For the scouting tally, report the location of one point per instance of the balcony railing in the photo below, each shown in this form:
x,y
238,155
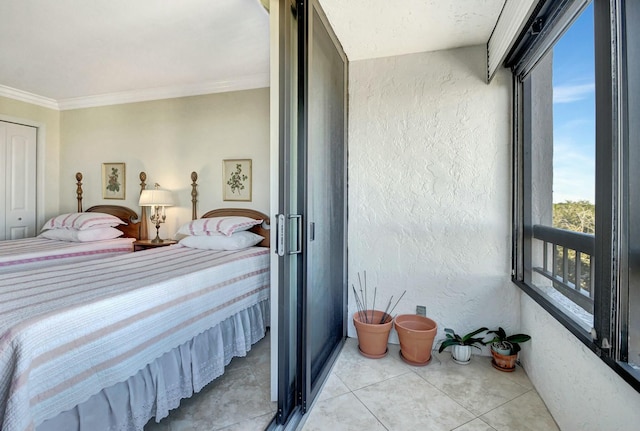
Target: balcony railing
x,y
563,262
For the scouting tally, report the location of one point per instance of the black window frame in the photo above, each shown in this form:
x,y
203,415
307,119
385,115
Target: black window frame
x,y
614,179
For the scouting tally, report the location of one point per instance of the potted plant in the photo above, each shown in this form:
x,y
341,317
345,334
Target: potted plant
x,y
504,349
461,346
372,326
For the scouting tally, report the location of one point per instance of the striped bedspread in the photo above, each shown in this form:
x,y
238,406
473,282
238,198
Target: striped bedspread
x,y
29,253
71,330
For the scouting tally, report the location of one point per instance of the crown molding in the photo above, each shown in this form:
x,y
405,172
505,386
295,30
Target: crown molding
x,y
25,96
241,83
158,93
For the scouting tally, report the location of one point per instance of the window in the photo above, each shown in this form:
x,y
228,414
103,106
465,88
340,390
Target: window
x,y
576,161
560,94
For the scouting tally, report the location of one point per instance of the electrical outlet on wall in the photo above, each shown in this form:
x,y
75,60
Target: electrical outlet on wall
x,y
421,310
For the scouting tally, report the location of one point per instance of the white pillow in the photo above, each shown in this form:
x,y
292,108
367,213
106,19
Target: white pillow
x,y
87,235
237,241
82,221
214,225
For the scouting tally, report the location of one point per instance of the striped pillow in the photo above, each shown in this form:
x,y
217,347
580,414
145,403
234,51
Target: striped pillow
x,y
82,221
218,226
87,235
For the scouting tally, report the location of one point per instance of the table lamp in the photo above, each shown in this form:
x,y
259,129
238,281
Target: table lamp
x,y
158,199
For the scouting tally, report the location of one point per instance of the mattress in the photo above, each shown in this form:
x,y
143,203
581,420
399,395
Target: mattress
x,y
29,253
109,318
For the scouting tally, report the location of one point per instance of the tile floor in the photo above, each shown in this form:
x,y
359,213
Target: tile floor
x,y
387,394
372,394
237,400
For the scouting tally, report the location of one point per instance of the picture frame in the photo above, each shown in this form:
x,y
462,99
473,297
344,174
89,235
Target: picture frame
x,y
113,181
236,179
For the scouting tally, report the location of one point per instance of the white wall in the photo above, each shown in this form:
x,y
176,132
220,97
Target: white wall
x,y
168,139
581,392
429,187
429,211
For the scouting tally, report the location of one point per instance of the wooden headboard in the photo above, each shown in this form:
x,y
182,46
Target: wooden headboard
x,y
127,215
261,229
134,228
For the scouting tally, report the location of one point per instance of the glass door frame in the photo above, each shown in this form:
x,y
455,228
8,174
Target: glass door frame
x,y
290,190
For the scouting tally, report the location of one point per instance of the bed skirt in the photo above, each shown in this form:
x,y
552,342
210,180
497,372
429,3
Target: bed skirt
x,y
158,388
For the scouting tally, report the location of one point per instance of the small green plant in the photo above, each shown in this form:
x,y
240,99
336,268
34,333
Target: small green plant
x,y
504,342
469,339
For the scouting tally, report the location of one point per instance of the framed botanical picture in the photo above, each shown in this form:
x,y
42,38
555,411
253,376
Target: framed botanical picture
x,y
236,180
113,181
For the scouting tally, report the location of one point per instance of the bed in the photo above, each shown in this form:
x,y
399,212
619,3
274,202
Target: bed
x,y
143,331
29,253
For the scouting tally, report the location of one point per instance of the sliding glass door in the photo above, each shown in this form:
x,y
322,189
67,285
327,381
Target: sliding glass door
x,y
325,294
312,220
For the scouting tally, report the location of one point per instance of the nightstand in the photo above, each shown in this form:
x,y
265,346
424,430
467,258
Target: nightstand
x,y
144,244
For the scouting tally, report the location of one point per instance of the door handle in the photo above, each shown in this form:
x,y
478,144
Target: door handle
x,y
298,218
280,234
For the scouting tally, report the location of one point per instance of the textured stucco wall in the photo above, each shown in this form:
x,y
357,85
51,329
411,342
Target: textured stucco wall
x,y
581,392
168,139
429,193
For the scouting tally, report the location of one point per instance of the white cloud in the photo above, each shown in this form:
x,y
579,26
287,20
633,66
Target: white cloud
x,y
572,93
573,172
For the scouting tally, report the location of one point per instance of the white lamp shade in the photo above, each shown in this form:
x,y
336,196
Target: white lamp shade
x,y
156,197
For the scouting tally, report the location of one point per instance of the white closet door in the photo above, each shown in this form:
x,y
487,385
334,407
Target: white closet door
x,y
18,148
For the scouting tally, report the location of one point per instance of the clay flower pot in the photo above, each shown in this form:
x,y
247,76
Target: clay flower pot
x,y
416,334
373,337
503,362
504,349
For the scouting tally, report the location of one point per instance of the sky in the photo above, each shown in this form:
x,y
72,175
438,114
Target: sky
x,y
574,112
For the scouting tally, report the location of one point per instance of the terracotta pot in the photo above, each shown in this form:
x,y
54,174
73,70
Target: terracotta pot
x,y
373,337
503,362
416,334
461,354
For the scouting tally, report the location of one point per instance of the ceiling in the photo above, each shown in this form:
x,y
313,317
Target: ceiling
x,y
66,49
75,53
382,28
